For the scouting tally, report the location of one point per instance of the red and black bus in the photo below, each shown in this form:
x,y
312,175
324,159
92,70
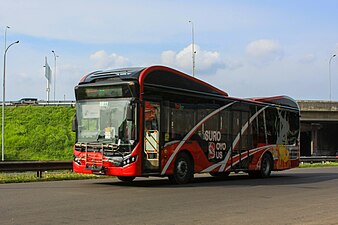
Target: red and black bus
x,y
157,121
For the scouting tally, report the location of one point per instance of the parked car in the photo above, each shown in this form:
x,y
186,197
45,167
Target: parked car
x,y
28,101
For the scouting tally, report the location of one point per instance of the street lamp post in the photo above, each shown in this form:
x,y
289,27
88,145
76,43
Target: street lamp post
x,y
193,47
330,72
3,104
7,27
55,56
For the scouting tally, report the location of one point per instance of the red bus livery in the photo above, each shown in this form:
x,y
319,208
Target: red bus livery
x,y
157,121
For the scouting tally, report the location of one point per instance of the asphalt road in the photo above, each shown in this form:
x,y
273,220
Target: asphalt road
x,y
297,196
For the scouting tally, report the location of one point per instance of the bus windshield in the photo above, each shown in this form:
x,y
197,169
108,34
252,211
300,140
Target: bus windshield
x,y
106,121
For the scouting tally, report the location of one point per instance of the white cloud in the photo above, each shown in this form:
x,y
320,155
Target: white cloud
x,y
104,61
168,57
264,51
77,31
206,61
232,64
308,58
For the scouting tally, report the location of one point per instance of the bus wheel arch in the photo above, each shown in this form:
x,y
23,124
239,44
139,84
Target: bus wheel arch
x,y
183,168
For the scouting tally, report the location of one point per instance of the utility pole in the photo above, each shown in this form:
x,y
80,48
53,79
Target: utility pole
x,y
3,104
330,73
55,56
193,52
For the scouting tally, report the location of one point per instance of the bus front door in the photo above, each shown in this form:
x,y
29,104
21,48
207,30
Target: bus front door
x,y
151,136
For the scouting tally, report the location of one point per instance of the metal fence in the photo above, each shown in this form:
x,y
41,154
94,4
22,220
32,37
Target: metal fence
x,y
38,166
40,103
318,159
41,166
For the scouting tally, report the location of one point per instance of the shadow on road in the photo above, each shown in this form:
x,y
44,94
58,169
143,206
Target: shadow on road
x,y
298,176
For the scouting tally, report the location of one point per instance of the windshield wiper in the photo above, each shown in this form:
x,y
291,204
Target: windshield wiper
x,y
99,136
102,136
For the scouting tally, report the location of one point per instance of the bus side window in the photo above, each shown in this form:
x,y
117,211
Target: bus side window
x,y
246,141
225,124
152,112
182,120
294,128
271,123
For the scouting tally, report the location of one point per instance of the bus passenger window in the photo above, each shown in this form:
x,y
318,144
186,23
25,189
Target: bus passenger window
x,y
152,113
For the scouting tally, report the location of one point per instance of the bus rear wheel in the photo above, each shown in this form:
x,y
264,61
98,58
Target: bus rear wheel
x,y
125,179
183,170
266,167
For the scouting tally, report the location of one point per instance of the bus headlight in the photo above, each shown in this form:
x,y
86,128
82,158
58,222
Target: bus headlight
x,y
77,160
129,160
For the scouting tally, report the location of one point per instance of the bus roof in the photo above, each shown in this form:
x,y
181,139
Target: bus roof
x,y
156,76
278,100
122,73
167,78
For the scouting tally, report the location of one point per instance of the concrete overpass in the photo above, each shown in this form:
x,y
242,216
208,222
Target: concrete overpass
x,y
319,127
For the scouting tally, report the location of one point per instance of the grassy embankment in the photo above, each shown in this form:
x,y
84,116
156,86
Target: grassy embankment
x,y
47,176
324,164
39,133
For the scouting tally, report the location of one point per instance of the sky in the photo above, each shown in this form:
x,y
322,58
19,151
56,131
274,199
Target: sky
x,y
246,48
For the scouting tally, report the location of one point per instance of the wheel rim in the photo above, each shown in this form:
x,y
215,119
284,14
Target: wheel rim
x,y
182,169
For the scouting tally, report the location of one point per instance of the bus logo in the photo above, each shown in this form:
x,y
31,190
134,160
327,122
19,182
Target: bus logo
x,y
211,149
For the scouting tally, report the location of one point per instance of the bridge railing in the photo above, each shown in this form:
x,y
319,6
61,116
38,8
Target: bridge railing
x,y
318,159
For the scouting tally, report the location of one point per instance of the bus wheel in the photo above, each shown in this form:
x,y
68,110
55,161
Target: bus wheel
x,y
125,179
266,166
220,174
183,170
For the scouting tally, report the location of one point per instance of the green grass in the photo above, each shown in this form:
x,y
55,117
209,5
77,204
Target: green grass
x,y
325,164
39,133
46,176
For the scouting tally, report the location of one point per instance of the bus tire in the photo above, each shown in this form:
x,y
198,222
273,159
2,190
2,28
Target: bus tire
x,y
266,167
125,179
183,170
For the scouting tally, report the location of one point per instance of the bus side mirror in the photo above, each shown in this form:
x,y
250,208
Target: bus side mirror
x,y
74,123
